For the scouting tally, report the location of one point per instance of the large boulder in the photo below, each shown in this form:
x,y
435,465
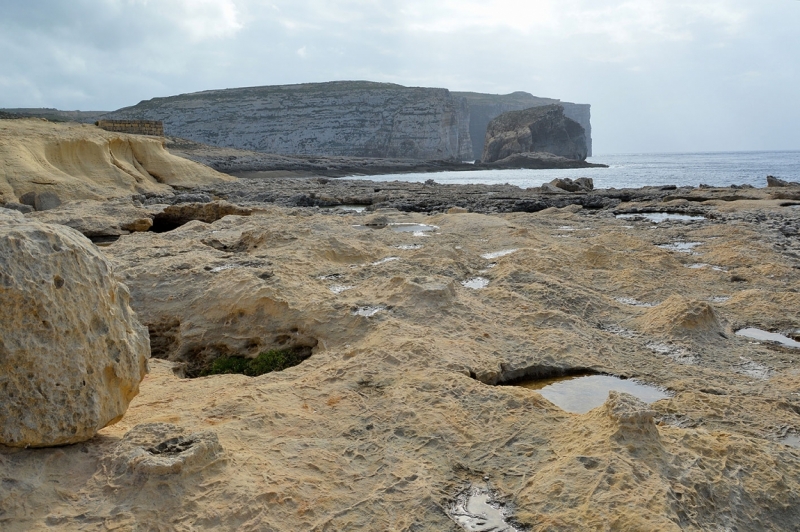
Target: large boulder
x,y
72,353
539,129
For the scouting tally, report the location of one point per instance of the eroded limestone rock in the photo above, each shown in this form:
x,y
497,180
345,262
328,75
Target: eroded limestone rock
x,y
72,353
540,129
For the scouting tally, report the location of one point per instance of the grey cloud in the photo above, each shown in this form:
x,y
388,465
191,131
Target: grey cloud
x,y
712,76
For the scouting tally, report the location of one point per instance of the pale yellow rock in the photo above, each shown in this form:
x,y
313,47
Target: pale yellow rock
x,y
79,161
72,353
395,414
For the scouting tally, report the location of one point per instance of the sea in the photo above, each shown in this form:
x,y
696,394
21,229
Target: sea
x,y
716,169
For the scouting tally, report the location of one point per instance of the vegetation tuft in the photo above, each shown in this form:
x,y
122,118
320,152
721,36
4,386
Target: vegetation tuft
x,y
266,362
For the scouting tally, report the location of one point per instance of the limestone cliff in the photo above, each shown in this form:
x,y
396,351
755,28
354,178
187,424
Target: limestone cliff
x,y
539,129
352,118
486,107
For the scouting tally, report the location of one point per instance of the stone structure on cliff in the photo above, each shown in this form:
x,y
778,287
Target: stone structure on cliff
x,y
539,129
355,118
72,353
135,127
483,108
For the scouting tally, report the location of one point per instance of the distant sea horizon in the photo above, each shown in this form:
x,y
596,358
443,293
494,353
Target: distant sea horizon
x,y
634,170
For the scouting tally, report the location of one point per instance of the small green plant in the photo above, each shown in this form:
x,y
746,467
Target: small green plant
x,y
266,362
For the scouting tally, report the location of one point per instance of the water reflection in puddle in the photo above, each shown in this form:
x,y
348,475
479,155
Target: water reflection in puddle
x,y
476,283
681,247
764,336
354,208
720,299
412,228
658,217
384,261
792,440
478,511
498,254
409,246
579,394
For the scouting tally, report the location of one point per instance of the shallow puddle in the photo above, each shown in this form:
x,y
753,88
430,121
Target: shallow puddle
x,y
407,247
633,302
581,393
765,336
658,217
681,247
384,261
720,299
368,311
339,288
478,511
412,228
402,228
354,208
498,254
792,440
476,283
696,266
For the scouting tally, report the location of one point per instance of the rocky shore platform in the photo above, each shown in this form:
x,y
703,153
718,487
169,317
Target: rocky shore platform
x,y
417,319
253,164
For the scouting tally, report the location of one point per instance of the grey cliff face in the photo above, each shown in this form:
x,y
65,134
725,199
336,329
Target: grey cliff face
x,y
361,119
486,107
539,129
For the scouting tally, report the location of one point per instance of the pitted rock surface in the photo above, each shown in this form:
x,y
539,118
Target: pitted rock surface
x,y
72,353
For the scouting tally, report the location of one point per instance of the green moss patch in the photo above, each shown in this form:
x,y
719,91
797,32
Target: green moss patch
x,y
266,362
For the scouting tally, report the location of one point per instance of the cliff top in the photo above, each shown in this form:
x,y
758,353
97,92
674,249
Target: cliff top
x,y
329,87
514,98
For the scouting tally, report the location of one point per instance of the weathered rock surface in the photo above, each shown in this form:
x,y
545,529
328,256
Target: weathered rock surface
x,y
350,118
483,108
48,164
99,219
72,353
539,129
393,415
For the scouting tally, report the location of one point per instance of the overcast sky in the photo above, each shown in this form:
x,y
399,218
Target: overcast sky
x,y
661,75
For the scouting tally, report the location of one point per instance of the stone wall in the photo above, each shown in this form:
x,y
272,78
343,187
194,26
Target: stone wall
x,y
135,127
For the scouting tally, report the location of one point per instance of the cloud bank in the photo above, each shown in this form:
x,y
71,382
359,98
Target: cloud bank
x,y
661,75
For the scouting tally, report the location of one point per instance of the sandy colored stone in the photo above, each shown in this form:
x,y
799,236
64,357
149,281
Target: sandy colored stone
x,y
394,415
72,353
61,162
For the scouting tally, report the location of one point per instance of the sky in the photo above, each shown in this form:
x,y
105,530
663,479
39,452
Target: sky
x,y
661,75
